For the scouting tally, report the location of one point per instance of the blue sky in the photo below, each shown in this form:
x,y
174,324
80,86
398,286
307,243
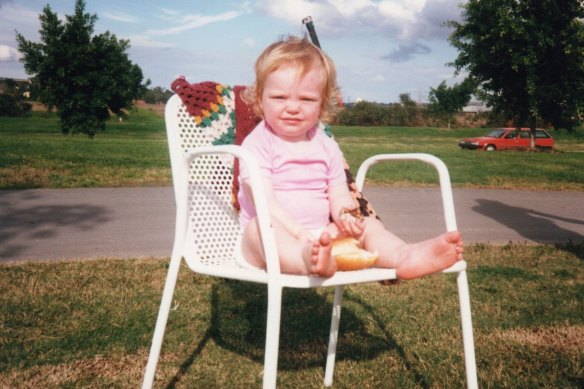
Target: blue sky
x,y
382,48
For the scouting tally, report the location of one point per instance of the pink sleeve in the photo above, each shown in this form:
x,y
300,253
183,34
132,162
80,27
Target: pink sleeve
x,y
259,143
337,174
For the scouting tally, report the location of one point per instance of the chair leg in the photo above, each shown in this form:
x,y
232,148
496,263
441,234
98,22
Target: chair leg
x,y
272,336
334,336
161,321
467,332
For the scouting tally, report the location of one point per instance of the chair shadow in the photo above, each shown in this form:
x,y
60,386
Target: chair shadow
x,y
238,323
534,225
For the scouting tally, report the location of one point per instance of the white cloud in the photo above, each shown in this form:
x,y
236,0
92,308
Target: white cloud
x,y
14,15
147,42
120,17
406,20
189,22
9,54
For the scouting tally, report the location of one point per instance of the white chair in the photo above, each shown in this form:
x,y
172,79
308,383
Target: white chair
x,y
207,229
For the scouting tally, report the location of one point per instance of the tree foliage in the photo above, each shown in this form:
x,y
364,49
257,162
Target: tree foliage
x,y
365,113
445,101
526,56
83,76
157,95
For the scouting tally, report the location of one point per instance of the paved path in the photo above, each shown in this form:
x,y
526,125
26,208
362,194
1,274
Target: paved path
x,y
138,222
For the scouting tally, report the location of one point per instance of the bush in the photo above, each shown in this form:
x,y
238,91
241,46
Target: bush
x,y
365,113
10,106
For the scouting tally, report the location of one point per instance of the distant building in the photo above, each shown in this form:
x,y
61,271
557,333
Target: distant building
x,y
10,85
476,107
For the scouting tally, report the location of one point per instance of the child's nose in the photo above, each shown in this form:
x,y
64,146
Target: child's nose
x,y
293,106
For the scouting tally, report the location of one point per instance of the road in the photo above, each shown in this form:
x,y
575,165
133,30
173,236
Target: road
x,y
53,224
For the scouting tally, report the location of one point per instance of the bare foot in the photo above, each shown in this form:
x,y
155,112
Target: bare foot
x,y
323,263
430,256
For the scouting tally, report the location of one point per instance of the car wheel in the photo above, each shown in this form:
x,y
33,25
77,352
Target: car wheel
x,y
490,148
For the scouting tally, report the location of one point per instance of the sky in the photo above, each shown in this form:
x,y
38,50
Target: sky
x,y
382,48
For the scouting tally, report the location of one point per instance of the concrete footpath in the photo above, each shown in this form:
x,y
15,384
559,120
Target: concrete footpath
x,y
51,224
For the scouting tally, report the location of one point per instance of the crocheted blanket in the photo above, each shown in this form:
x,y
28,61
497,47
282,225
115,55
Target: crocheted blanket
x,y
205,101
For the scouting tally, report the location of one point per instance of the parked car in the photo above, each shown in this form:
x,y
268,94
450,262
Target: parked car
x,y
508,138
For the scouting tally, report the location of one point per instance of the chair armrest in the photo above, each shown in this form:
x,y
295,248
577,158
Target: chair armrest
x,y
259,195
444,177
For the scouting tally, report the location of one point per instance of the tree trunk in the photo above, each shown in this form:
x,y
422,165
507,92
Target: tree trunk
x,y
532,124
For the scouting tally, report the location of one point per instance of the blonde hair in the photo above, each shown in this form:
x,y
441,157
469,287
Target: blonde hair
x,y
301,53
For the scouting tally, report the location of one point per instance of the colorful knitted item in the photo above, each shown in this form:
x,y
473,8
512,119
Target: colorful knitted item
x,y
204,102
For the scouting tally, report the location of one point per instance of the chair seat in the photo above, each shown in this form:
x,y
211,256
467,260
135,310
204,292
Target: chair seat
x,y
230,269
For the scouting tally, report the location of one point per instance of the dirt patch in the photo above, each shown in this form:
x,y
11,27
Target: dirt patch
x,y
567,339
126,369
156,108
38,107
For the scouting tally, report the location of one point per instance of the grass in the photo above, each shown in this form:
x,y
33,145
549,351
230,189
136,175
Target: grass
x,y
33,154
559,170
89,324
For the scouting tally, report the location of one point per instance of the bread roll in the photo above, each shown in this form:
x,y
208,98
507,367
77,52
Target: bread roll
x,y
349,256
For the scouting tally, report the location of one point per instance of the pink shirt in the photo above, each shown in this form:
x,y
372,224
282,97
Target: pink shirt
x,y
300,180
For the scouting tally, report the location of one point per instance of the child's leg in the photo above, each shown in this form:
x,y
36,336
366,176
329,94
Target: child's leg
x,y
412,260
296,256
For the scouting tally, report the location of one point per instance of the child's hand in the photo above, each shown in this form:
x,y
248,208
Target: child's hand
x,y
351,222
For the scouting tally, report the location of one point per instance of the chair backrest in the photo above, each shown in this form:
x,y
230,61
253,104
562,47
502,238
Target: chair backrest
x,y
207,182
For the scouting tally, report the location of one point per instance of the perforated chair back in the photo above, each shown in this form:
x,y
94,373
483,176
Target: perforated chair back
x,y
209,178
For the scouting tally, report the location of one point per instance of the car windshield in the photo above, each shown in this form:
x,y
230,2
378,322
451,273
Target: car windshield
x,y
496,133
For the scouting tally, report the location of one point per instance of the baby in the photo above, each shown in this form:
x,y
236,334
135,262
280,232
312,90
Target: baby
x,y
303,172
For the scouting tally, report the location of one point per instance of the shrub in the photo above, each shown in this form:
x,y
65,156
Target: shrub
x,y
10,106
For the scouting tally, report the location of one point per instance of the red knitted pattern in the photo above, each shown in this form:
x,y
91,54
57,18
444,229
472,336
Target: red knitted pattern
x,y
245,122
198,98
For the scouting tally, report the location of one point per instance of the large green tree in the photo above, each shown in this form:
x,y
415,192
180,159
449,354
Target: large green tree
x,y
83,76
445,101
526,55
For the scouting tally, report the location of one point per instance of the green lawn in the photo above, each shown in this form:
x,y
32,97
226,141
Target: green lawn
x,y
33,154
81,324
559,170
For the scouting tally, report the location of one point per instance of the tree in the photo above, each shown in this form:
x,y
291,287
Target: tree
x,y
411,115
157,95
526,56
83,76
446,101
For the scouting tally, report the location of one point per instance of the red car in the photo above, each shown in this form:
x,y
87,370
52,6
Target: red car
x,y
508,138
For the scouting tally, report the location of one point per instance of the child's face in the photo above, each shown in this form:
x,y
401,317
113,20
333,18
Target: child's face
x,y
292,104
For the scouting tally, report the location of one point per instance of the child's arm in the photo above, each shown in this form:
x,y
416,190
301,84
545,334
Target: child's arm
x,y
278,212
341,203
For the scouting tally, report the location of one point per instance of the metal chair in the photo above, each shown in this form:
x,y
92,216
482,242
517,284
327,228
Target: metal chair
x,y
207,230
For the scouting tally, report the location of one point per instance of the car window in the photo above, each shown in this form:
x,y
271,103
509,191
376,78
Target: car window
x,y
541,134
525,134
496,133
